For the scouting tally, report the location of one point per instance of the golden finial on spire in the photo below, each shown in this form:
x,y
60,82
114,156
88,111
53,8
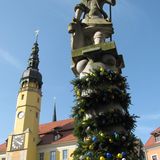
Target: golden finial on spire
x,y
37,34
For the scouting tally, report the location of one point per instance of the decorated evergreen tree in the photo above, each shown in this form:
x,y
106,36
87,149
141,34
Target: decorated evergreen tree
x,y
103,125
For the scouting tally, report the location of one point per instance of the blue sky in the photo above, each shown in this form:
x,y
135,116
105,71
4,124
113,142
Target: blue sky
x,y
136,35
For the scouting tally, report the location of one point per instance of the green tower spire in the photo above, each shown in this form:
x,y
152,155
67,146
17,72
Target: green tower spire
x,y
54,118
32,74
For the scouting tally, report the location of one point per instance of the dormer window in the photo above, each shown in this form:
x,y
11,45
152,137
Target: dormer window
x,y
56,137
56,133
157,138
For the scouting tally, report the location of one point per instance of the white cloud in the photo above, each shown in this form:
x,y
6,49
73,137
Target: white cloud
x,y
9,58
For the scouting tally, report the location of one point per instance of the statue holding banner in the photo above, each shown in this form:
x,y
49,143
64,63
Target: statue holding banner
x,y
91,24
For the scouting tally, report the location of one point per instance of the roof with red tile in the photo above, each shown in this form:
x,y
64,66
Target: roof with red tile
x,y
3,148
63,128
48,130
151,141
49,127
156,131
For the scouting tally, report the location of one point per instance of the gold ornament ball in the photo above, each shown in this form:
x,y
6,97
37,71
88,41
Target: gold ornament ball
x,y
88,158
102,69
82,110
102,134
83,123
110,140
101,158
78,93
87,79
87,139
91,147
92,74
119,155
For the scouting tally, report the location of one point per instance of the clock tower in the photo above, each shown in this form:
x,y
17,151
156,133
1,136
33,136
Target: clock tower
x,y
22,143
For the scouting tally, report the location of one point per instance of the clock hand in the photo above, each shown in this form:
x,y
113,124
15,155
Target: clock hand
x,y
20,143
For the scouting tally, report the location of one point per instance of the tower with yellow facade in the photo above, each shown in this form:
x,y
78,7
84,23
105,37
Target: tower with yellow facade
x,y
22,143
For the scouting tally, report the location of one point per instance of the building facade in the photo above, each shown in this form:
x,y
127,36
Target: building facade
x,y
152,146
56,141
29,140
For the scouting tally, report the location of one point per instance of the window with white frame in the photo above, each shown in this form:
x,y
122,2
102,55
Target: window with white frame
x,y
53,155
41,156
154,157
65,154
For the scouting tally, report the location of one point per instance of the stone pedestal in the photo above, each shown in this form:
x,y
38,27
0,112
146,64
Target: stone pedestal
x,y
105,55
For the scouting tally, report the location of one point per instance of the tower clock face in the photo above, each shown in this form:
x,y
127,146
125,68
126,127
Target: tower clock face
x,y
17,142
20,114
